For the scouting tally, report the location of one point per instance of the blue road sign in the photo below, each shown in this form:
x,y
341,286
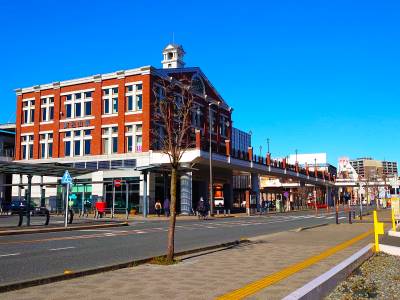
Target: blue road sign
x,y
66,179
72,197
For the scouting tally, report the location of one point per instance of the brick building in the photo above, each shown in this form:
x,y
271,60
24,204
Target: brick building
x,y
104,123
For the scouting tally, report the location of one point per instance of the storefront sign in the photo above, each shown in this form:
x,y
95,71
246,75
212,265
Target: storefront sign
x,y
76,124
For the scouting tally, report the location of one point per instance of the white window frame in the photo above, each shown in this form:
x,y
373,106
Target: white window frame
x,y
81,138
83,100
28,142
110,97
135,93
30,110
46,141
109,135
47,105
134,134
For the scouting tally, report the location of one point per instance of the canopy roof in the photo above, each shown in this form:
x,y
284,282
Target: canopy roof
x,y
53,170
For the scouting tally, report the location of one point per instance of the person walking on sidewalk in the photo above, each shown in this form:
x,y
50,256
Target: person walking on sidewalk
x,y
158,207
166,207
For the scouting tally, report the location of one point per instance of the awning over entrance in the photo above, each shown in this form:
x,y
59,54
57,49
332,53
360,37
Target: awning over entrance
x,y
53,170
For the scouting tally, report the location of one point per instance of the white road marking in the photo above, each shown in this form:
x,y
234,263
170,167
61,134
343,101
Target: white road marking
x,y
342,217
10,254
64,248
139,231
330,217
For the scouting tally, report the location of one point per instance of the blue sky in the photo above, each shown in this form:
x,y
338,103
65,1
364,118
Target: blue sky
x,y
317,76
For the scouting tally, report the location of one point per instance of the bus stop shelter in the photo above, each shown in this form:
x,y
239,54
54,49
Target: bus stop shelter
x,y
30,170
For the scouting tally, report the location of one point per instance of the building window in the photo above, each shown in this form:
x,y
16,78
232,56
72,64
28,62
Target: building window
x,y
196,117
110,140
28,111
27,146
134,97
133,135
110,101
77,142
78,105
46,145
47,107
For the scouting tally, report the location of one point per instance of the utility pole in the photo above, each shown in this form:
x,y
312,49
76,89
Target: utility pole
x,y
268,144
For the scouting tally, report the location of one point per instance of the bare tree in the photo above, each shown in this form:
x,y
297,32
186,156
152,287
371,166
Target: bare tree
x,y
171,133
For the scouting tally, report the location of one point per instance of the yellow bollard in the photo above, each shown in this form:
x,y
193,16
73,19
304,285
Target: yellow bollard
x,y
378,229
393,221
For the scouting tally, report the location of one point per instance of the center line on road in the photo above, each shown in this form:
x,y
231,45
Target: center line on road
x,y
10,254
64,248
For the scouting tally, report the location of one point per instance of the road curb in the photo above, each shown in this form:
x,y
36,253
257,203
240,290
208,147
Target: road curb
x,y
323,284
71,274
58,229
309,227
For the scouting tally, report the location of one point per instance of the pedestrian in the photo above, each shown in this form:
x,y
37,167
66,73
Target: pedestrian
x,y
201,208
166,207
157,207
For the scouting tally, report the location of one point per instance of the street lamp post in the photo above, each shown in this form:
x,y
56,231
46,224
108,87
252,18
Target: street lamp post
x,y
268,144
210,126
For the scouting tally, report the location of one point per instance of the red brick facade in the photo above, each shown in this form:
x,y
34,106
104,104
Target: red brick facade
x,y
96,120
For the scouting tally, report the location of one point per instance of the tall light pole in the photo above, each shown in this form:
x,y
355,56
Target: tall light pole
x,y
315,189
210,128
296,155
268,144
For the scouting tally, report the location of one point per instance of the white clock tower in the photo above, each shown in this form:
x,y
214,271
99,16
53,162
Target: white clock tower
x,y
173,56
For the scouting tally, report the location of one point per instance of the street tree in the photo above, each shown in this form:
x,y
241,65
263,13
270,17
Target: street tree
x,y
171,133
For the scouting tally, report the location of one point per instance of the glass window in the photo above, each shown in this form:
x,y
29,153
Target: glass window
x,y
67,149
115,90
106,106
68,110
78,112
129,101
115,129
78,96
32,115
139,87
129,143
138,143
68,98
114,144
44,114
77,148
129,128
51,113
31,151
88,108
106,130
105,145
67,133
77,133
87,147
87,132
24,152
139,102
88,94
43,150
128,89
115,105
139,128
50,145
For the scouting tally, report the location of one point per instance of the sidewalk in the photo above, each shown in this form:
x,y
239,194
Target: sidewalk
x,y
214,274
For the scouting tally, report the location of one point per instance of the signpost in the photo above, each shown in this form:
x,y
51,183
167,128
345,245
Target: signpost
x,y
66,181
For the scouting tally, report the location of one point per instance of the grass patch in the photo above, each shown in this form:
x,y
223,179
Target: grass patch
x,y
163,261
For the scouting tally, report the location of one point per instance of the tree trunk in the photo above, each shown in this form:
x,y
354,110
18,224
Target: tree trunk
x,y
172,218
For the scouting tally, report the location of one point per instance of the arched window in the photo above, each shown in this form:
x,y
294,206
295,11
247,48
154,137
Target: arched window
x,y
198,85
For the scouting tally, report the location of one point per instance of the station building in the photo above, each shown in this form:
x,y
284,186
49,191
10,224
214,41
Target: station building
x,y
104,123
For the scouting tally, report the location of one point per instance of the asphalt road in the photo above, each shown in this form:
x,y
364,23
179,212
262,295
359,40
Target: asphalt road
x,y
27,257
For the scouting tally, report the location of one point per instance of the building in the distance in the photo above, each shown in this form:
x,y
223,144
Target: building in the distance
x,y
367,167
